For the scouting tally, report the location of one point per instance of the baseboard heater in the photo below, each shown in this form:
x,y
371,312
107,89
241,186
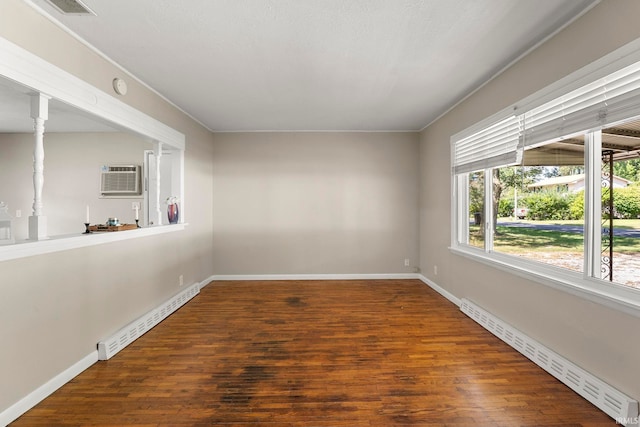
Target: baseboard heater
x,y
125,336
613,402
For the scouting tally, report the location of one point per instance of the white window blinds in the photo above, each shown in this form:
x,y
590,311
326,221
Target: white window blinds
x,y
607,100
603,102
495,145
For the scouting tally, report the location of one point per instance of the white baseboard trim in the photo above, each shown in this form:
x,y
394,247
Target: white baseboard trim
x,y
23,405
110,346
448,295
32,399
206,281
607,398
246,277
314,276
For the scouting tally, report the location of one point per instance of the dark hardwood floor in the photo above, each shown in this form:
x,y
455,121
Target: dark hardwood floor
x,y
311,353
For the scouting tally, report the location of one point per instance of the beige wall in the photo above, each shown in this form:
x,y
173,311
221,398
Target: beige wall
x,y
593,336
54,308
305,203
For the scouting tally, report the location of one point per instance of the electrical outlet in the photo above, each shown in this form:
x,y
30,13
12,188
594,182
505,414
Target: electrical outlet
x,y
180,280
135,206
407,262
435,270
18,213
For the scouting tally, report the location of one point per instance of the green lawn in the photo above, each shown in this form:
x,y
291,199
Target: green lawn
x,y
523,240
617,223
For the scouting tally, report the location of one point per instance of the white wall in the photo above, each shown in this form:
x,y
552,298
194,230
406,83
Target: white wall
x,y
304,203
599,339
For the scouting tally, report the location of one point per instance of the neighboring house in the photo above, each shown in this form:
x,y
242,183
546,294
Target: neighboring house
x,y
570,183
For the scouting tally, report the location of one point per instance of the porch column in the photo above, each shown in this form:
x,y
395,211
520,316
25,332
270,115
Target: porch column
x,y
39,114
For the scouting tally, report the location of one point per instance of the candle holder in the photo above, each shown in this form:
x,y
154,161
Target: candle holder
x,y
86,228
137,225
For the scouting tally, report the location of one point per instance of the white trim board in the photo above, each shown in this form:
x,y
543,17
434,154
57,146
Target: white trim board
x,y
80,240
29,70
14,411
266,277
110,346
448,295
207,281
620,298
32,399
244,277
605,397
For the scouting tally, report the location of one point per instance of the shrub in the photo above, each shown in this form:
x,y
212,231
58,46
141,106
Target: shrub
x,y
505,207
626,202
576,208
550,205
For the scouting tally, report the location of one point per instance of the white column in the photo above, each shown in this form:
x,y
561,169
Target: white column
x,y
593,205
157,151
487,215
39,113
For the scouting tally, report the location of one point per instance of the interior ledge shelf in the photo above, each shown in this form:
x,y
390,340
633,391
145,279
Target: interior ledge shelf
x,y
63,243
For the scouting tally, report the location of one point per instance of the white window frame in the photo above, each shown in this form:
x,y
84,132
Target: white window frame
x,y
583,284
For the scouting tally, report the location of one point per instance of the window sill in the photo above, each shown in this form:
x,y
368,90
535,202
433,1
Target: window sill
x,y
29,248
616,296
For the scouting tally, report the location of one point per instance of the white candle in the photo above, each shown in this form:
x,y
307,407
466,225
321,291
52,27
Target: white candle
x,y
87,221
137,212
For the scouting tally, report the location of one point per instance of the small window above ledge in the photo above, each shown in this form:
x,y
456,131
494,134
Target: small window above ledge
x,y
63,243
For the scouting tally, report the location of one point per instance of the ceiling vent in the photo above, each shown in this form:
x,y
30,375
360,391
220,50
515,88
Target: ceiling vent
x,y
71,7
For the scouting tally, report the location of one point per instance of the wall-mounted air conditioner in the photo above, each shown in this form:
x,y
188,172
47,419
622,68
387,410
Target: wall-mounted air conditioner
x,y
121,179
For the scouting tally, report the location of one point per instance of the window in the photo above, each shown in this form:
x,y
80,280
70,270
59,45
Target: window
x,y
564,201
620,204
475,234
551,230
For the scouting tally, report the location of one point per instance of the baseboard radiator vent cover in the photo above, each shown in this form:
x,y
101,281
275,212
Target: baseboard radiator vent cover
x,y
610,400
125,336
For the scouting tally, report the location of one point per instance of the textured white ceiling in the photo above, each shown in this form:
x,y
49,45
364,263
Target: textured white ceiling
x,y
239,65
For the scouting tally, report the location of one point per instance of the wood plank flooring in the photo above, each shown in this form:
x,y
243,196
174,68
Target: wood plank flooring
x,y
316,353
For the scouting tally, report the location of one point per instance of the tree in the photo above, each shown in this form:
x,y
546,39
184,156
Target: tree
x,y
570,170
551,171
627,169
516,177
476,195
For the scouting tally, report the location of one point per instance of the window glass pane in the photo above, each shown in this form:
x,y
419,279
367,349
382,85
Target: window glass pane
x,y
620,219
476,209
539,206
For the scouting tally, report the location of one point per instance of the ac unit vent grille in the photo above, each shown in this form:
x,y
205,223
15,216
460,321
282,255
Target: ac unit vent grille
x,y
123,168
121,179
71,7
610,400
